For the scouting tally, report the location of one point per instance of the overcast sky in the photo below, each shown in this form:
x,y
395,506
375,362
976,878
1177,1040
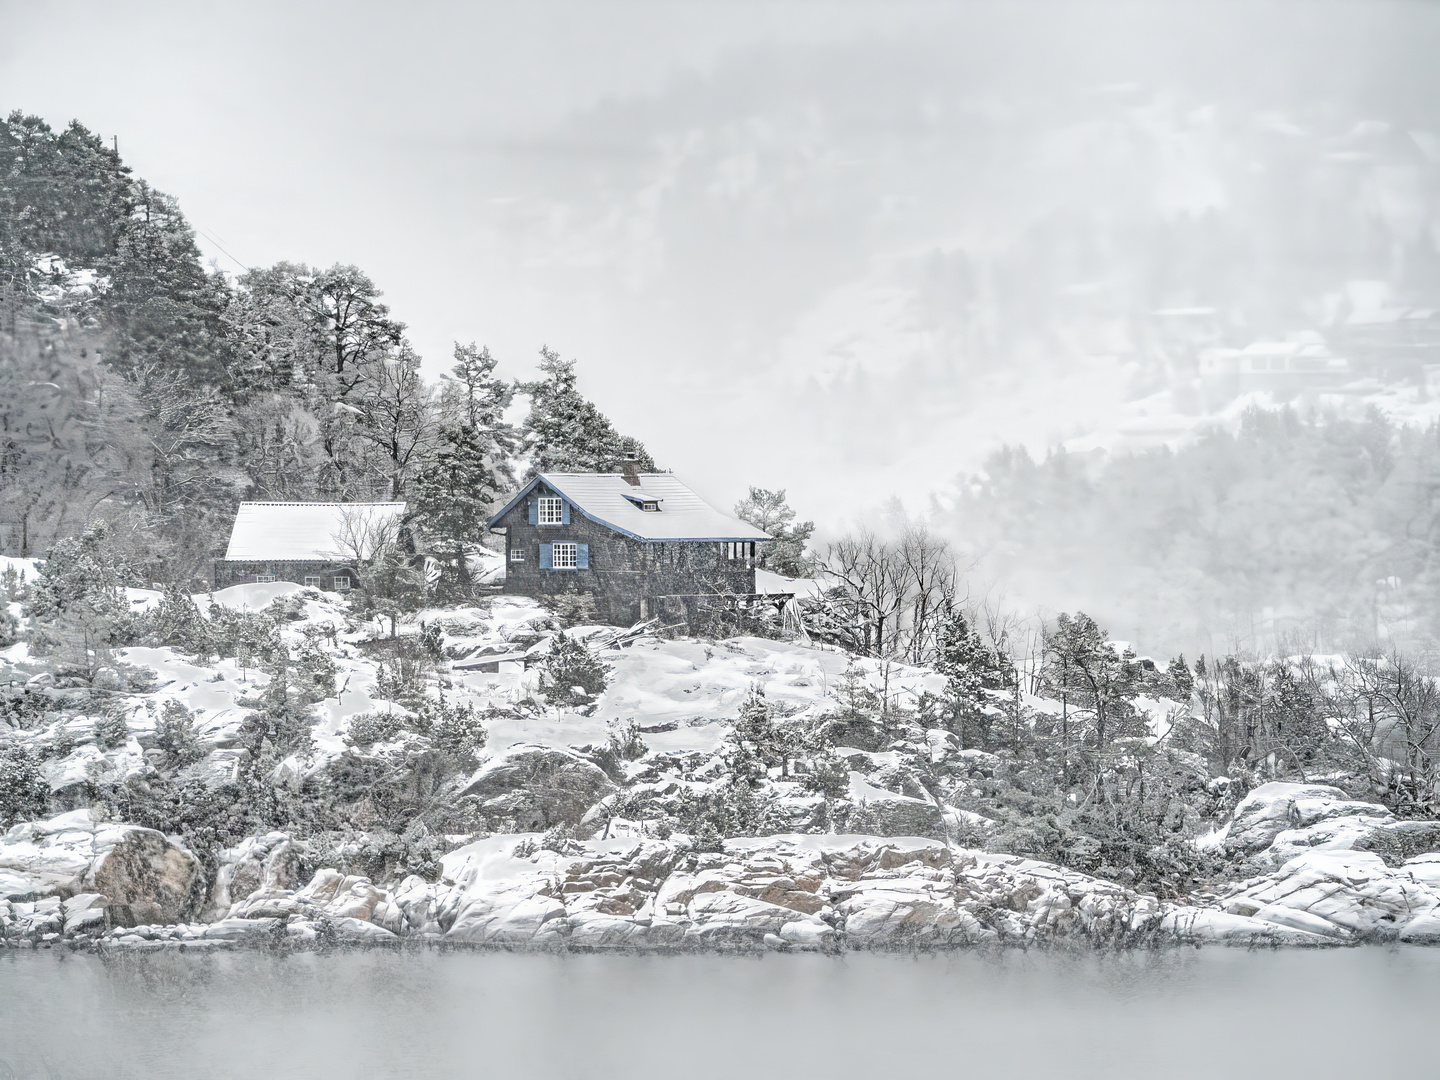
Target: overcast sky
x,y
722,210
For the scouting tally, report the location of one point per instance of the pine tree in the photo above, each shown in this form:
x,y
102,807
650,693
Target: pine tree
x,y
566,433
573,672
175,734
454,494
1084,666
111,730
970,667
76,602
177,622
24,793
769,512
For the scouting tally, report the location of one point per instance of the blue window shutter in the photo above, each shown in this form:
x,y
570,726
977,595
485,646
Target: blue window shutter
x,y
582,556
534,511
544,556
564,513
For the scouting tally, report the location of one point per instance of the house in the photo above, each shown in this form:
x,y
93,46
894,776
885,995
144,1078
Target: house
x,y
1301,364
641,545
316,544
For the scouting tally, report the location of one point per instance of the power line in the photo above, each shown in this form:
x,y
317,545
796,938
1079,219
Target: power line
x,y
221,248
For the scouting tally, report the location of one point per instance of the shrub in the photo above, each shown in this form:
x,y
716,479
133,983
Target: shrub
x,y
626,743
574,675
111,729
370,728
175,734
457,730
24,794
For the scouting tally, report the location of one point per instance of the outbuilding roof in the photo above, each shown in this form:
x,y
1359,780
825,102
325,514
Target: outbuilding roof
x,y
301,531
609,499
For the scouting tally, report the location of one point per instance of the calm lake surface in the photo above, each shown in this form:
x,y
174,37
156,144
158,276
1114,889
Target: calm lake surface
x,y
1174,1014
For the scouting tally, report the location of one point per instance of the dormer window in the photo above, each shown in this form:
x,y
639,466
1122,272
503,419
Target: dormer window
x,y
648,503
650,506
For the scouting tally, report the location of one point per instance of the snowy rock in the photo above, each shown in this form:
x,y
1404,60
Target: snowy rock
x,y
145,876
271,862
538,786
1273,808
1344,895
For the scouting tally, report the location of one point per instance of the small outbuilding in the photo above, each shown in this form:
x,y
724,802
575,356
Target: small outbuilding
x,y
641,545
322,545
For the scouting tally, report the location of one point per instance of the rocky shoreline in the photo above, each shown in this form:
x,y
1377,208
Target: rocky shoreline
x,y
73,881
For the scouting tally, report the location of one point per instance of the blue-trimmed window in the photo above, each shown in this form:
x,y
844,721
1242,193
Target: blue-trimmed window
x,y
551,511
565,555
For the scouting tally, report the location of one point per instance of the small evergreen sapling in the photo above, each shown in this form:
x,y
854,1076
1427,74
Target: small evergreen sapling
x,y
24,794
573,674
111,730
175,734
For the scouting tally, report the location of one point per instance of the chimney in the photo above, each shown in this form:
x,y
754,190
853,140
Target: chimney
x,y
631,468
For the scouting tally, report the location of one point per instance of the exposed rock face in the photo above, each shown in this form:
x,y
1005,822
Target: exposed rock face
x,y
1346,896
142,875
1287,819
271,862
795,891
536,786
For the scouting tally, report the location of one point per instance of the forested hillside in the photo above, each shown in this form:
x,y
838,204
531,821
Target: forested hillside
x,y
144,395
1293,533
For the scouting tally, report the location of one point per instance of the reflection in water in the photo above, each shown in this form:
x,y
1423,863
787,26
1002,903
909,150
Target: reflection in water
x,y
1172,1014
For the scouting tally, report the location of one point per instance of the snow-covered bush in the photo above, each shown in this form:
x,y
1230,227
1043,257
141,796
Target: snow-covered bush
x,y
177,622
456,730
23,790
370,728
175,734
111,730
572,675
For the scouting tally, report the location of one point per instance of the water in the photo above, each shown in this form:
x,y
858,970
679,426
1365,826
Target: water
x,y
1173,1014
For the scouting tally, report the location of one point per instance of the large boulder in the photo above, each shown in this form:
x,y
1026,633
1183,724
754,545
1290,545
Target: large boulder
x,y
1275,808
537,786
144,876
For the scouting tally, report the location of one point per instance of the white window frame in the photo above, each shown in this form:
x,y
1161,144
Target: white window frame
x,y
551,511
737,550
564,555
342,582
312,581
264,577
517,554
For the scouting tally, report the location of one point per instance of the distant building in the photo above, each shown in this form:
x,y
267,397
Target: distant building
x,y
318,544
641,545
1284,369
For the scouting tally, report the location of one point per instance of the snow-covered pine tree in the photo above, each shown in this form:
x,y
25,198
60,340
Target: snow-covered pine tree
x,y
111,729
970,666
177,622
565,432
175,734
768,511
24,792
76,603
452,497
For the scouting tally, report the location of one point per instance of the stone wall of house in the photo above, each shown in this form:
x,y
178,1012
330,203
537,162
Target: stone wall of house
x,y
629,579
302,572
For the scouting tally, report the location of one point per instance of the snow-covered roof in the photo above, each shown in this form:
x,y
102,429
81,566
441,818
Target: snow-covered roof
x,y
299,531
608,499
